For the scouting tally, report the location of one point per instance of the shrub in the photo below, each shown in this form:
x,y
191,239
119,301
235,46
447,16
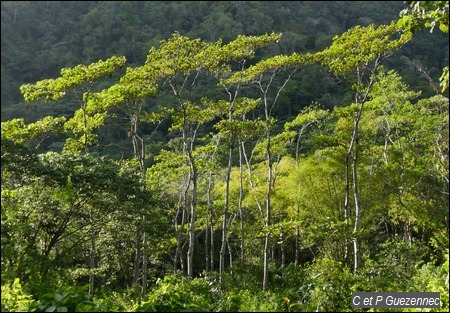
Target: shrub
x,y
174,293
14,299
69,301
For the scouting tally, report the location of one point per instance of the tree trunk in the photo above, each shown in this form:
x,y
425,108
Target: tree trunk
x,y
241,209
297,243
357,209
137,256
268,209
212,242
207,253
230,256
144,265
225,211
92,261
190,253
182,205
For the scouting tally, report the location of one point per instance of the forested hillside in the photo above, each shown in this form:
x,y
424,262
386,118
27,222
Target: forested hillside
x,y
223,155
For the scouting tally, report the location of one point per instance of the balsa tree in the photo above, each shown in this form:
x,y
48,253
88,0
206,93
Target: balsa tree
x,y
233,129
360,51
237,51
81,81
178,63
128,96
265,77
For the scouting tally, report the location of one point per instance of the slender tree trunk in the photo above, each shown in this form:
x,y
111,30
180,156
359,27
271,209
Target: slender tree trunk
x,y
85,141
137,256
208,234
357,206
268,209
347,204
225,211
297,242
182,260
353,153
297,228
252,185
144,265
182,205
352,156
207,252
190,253
177,249
270,177
212,242
139,154
230,256
241,209
92,261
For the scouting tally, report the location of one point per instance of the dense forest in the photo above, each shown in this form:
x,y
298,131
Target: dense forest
x,y
223,155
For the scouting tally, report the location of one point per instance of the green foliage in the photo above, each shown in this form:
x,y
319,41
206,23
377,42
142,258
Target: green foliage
x,y
327,287
174,294
252,301
19,132
71,301
433,278
307,116
360,45
392,269
269,65
14,299
243,47
55,89
427,14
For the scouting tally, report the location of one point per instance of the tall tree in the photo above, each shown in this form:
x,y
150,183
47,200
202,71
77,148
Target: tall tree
x,y
263,76
81,123
129,95
361,49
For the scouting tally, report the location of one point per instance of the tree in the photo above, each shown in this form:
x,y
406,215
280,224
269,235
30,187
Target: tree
x,y
129,95
270,92
354,50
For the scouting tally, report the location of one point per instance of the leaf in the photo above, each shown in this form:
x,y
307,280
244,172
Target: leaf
x,y
58,297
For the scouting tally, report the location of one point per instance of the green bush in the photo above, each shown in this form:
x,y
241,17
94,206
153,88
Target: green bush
x,y
328,288
432,278
393,267
69,301
14,299
174,294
